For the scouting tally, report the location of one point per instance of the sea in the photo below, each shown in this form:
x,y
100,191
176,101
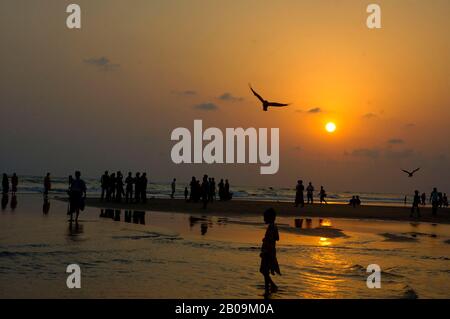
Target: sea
x,y
34,185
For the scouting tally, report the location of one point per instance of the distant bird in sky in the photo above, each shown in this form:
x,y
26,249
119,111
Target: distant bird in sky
x,y
265,103
410,174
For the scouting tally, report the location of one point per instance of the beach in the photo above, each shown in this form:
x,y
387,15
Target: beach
x,y
286,209
138,252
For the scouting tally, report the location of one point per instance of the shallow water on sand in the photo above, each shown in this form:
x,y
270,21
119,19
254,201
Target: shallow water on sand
x,y
169,255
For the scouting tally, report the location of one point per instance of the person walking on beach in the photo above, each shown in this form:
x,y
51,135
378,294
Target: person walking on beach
x,y
445,200
143,186
434,199
173,185
309,193
14,183
416,203
186,194
269,263
5,184
129,187
322,195
299,189
47,184
104,181
77,196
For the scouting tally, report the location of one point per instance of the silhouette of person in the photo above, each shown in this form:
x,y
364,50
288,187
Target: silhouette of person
x,y
434,199
129,187
14,183
269,263
137,187
205,191
173,186
440,199
143,187
77,196
322,195
445,200
358,200
228,194
310,193
221,190
212,187
112,187
416,203
353,201
104,182
299,194
70,181
424,199
119,187
186,194
5,184
47,184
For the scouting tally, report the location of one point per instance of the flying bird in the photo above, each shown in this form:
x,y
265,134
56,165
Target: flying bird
x,y
265,103
410,174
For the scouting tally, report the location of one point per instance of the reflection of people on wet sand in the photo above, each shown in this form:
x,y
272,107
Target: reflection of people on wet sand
x,y
5,200
416,203
269,262
77,196
46,206
13,202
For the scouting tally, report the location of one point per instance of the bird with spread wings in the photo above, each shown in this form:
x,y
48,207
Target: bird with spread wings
x,y
266,104
410,174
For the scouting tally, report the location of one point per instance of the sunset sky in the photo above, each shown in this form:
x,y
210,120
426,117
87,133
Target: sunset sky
x,y
108,96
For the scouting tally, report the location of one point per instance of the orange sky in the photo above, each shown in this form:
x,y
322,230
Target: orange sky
x,y
387,90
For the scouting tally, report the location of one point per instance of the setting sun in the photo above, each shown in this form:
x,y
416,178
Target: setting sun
x,y
330,127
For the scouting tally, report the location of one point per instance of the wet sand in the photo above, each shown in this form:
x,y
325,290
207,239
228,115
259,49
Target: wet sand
x,y
255,208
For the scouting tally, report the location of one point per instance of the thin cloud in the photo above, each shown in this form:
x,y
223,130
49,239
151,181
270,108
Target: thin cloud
x,y
396,141
102,63
206,106
370,116
185,93
365,152
315,110
228,97
391,154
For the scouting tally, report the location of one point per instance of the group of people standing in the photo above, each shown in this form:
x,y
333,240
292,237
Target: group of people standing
x,y
206,191
299,194
113,187
14,184
437,200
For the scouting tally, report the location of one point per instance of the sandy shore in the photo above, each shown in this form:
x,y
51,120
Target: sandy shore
x,y
252,208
